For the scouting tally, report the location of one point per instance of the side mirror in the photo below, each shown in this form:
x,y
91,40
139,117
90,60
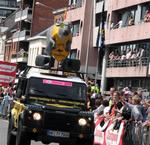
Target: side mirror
x,y
44,60
70,65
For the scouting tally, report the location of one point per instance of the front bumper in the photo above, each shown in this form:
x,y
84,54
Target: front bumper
x,y
57,121
39,134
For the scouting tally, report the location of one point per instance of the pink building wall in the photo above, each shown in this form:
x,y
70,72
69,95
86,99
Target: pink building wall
x,y
119,4
135,32
128,34
84,42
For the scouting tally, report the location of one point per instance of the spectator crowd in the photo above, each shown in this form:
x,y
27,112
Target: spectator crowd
x,y
132,57
125,106
6,100
120,108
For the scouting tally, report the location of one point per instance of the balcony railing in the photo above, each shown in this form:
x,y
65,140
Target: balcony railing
x,y
23,14
21,35
8,4
18,16
26,14
144,61
23,57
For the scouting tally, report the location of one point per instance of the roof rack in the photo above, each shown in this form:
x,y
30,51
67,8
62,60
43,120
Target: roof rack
x,y
55,72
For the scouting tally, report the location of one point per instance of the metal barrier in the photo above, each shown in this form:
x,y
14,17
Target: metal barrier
x,y
144,61
126,133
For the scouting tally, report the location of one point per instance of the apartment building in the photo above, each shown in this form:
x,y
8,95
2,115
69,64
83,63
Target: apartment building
x,y
32,17
128,44
7,7
80,13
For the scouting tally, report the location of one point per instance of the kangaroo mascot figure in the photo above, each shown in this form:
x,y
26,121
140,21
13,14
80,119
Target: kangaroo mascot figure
x,y
59,40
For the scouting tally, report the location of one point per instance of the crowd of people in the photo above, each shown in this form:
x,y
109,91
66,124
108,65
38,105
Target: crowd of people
x,y
130,20
6,100
132,107
132,56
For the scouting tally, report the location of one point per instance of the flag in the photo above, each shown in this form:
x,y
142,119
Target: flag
x,y
100,43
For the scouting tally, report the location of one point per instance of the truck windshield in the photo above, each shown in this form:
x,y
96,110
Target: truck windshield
x,y
56,89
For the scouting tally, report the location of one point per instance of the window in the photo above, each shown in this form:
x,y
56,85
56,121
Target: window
x,y
144,9
76,3
5,12
75,28
99,18
73,54
99,1
43,50
49,88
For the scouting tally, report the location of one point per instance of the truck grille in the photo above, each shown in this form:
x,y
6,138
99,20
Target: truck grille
x,y
60,121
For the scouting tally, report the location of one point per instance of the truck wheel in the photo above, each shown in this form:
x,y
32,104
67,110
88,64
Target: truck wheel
x,y
22,138
84,142
11,139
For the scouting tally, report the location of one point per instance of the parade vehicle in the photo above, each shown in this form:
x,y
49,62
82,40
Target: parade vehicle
x,y
50,105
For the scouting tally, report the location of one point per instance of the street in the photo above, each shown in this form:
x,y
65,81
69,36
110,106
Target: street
x,y
3,134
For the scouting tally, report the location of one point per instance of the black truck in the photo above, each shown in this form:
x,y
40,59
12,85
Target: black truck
x,y
50,107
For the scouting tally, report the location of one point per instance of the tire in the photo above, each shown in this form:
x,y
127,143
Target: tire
x,y
84,142
11,139
22,138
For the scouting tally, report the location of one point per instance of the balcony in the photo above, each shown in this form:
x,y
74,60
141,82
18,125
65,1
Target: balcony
x,y
128,33
99,6
18,16
22,57
119,4
24,35
8,5
127,68
75,13
23,15
21,35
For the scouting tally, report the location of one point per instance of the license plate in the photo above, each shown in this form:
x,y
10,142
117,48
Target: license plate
x,y
58,134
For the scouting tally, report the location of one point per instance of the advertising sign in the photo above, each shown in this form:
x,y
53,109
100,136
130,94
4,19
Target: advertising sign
x,y
7,73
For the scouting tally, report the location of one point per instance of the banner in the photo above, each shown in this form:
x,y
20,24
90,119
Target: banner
x,y
114,136
7,73
99,132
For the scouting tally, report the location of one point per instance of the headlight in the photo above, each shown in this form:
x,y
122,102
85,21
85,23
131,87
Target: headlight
x,y
37,116
82,122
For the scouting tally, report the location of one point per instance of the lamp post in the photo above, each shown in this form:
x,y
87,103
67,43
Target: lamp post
x,y
89,38
41,4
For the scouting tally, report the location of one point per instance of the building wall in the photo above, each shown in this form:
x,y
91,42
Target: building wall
x,y
138,31
7,7
84,41
1,49
125,37
35,48
10,49
43,16
120,4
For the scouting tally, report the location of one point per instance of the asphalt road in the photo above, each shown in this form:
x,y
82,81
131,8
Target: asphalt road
x,y
3,134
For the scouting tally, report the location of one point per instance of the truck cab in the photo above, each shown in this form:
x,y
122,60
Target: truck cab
x,y
50,106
